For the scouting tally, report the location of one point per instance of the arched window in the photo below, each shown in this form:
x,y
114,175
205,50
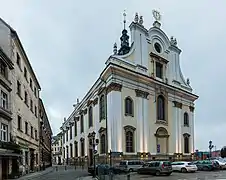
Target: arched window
x,y
186,143
186,119
102,144
102,107
128,106
160,108
90,116
129,142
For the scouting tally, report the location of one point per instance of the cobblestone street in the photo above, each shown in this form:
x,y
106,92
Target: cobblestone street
x,y
61,174
200,175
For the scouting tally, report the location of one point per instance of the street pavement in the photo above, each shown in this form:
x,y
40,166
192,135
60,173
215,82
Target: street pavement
x,y
200,175
58,174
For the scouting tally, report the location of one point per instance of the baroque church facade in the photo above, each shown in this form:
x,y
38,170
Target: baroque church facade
x,y
140,106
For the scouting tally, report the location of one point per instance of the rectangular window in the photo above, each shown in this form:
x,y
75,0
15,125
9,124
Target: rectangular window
x,y
25,73
3,69
159,70
76,149
31,105
70,132
35,91
35,111
36,135
26,128
19,123
71,150
4,100
26,98
26,157
82,124
67,136
4,132
32,132
18,88
82,148
31,84
75,127
18,60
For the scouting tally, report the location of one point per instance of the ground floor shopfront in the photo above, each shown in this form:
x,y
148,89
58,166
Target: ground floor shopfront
x,y
9,160
29,161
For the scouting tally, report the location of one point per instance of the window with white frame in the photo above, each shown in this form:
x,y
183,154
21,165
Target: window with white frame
x,y
4,132
4,100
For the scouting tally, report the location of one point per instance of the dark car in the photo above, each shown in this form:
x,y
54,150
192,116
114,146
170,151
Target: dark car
x,y
207,165
156,168
103,169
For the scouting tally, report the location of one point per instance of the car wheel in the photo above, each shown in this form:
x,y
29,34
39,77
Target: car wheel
x,y
138,172
205,168
130,170
183,170
168,174
157,173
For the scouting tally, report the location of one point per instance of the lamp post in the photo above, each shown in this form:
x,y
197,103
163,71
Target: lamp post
x,y
211,146
95,142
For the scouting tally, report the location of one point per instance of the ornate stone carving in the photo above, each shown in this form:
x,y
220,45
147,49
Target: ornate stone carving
x,y
101,90
188,81
141,21
81,112
114,87
140,93
89,102
102,129
191,108
173,41
186,135
136,18
76,118
85,111
115,49
129,128
177,104
95,101
82,139
91,134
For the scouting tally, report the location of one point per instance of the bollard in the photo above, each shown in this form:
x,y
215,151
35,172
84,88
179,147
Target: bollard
x,y
56,168
128,177
65,168
75,167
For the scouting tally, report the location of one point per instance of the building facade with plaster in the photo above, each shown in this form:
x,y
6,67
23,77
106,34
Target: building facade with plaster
x,y
141,106
24,100
57,155
45,137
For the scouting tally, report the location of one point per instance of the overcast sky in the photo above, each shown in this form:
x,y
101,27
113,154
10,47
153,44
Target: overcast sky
x,y
65,39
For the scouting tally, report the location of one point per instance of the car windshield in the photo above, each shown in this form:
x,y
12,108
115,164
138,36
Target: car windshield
x,y
122,163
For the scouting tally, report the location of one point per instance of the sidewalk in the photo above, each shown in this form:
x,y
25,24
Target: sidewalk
x,y
36,174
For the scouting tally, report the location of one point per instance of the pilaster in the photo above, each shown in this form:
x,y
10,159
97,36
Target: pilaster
x,y
114,119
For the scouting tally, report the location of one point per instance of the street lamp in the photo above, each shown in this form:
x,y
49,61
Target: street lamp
x,y
95,142
211,146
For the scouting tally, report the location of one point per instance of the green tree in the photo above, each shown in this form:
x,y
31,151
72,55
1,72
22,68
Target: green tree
x,y
223,152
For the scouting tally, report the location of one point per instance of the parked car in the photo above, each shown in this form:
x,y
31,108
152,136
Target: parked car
x,y
221,163
102,169
183,166
207,165
156,168
130,165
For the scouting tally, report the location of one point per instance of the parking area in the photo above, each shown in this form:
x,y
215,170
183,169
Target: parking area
x,y
199,175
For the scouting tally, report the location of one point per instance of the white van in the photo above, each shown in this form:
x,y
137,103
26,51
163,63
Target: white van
x,y
130,165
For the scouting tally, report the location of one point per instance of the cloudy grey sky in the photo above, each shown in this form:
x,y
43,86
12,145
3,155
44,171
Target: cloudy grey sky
x,y
65,39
